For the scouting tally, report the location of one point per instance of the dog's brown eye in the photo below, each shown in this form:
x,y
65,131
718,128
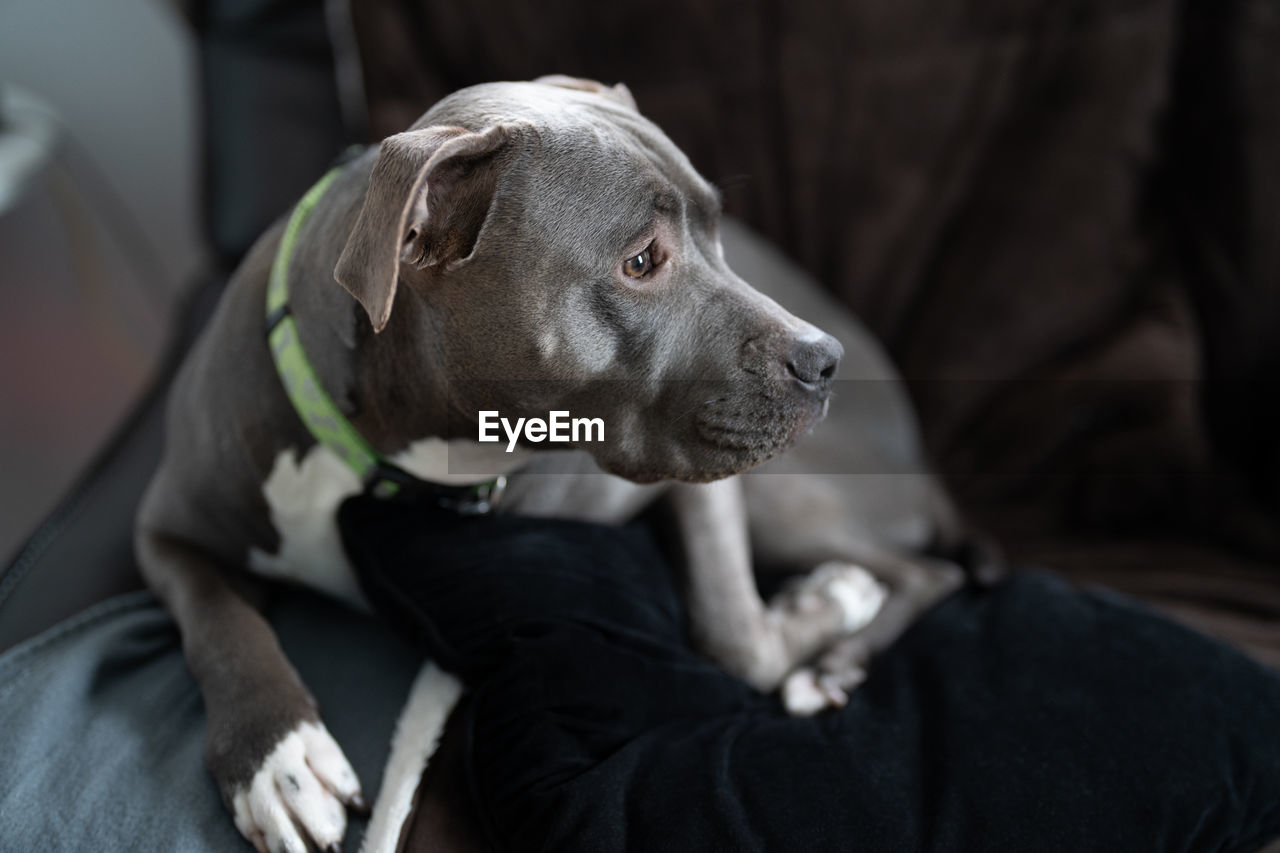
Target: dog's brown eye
x,y
639,266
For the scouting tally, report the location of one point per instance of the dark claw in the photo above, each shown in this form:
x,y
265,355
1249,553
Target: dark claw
x,y
335,847
358,805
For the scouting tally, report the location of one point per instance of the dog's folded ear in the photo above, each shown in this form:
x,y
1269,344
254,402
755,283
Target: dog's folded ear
x,y
428,198
618,92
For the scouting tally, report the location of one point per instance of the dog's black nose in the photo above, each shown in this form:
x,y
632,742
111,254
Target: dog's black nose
x,y
813,362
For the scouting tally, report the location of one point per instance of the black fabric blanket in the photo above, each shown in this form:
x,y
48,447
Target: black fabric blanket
x,y
1030,716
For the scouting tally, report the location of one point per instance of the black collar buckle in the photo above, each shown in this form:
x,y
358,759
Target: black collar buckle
x,y
388,481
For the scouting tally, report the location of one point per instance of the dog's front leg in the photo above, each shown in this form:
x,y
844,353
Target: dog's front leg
x,y
728,621
277,768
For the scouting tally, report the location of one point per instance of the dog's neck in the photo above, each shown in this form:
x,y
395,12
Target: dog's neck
x,y
382,382
391,385
385,385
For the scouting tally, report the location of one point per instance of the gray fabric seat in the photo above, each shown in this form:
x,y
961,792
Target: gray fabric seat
x,y
102,726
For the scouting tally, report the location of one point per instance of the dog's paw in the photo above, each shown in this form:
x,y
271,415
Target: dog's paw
x,y
296,801
809,690
827,681
856,595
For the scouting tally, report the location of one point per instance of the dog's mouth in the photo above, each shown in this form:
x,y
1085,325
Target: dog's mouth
x,y
748,427
756,428
727,435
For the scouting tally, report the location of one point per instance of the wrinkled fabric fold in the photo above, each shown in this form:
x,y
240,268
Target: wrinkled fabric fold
x,y
1031,716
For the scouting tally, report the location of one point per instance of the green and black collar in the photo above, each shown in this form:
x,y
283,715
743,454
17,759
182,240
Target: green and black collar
x,y
316,408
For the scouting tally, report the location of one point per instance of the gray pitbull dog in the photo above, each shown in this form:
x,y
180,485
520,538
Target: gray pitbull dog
x,y
524,248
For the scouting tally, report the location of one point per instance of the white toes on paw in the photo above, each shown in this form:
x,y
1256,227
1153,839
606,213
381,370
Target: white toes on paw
x,y
858,593
801,694
297,794
325,757
806,691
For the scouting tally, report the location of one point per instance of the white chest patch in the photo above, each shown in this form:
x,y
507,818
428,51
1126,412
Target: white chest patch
x,y
304,495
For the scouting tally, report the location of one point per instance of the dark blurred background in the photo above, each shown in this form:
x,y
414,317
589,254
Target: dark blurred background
x,y
1061,219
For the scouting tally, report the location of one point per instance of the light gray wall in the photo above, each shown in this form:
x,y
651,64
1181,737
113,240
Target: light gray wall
x,y
122,74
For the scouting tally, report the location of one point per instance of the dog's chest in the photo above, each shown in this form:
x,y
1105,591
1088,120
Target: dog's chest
x,y
303,496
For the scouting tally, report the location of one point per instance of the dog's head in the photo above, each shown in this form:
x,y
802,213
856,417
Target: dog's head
x,y
568,256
